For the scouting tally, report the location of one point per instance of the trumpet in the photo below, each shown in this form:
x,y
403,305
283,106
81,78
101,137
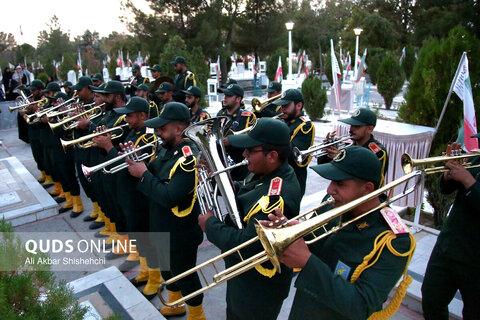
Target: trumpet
x,y
90,114
314,151
42,113
258,105
408,163
21,106
276,240
86,141
57,114
248,129
131,154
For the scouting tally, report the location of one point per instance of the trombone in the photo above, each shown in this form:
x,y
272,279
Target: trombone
x,y
314,151
131,154
258,105
408,163
276,240
86,141
88,114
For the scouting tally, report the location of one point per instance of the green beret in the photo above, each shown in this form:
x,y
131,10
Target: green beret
x,y
171,111
82,83
164,87
233,90
36,84
265,131
112,86
352,162
194,91
135,104
291,95
274,86
362,117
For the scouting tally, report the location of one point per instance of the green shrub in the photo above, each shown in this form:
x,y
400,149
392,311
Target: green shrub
x,y
314,97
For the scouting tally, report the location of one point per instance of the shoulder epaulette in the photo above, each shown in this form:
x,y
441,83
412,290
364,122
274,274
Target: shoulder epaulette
x,y
187,151
246,113
374,147
275,186
119,120
394,221
304,118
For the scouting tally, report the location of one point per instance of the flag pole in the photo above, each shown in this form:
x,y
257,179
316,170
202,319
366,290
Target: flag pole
x,y
449,93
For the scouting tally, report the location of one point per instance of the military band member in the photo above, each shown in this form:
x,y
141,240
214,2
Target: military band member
x,y
36,89
362,123
271,183
183,79
226,84
81,156
349,274
141,91
302,130
169,182
193,95
48,140
67,87
156,74
454,263
271,110
132,215
113,97
97,79
164,93
240,119
138,78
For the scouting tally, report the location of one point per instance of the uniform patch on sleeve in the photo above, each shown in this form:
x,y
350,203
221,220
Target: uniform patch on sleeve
x,y
374,147
203,114
275,186
187,152
394,221
246,113
342,270
304,118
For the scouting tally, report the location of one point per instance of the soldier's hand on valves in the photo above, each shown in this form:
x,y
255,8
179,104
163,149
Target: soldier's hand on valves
x,y
459,173
82,124
203,164
202,219
136,168
103,141
277,220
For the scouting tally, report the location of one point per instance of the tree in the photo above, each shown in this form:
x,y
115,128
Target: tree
x,y
314,97
390,79
52,45
429,84
7,41
29,291
272,63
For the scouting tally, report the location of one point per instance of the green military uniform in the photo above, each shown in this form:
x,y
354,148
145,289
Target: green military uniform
x,y
351,272
170,185
381,152
34,133
200,114
455,263
302,134
271,110
182,81
258,293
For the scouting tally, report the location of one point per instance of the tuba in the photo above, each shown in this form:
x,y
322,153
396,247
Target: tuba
x,y
208,136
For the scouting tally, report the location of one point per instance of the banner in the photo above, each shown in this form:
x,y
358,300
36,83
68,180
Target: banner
x,y
336,74
279,73
463,88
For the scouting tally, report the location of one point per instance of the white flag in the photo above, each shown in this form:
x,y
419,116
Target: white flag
x,y
336,74
463,89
